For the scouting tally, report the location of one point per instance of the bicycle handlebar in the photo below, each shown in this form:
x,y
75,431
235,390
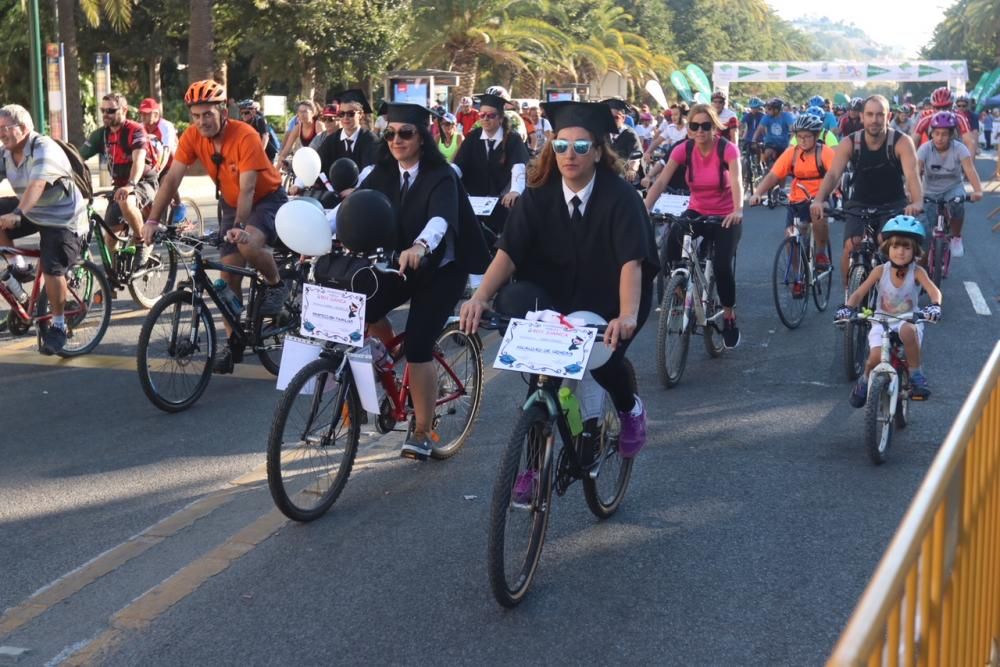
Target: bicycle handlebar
x,y
490,318
912,318
942,202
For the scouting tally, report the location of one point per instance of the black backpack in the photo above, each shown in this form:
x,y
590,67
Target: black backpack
x,y
81,172
720,148
820,167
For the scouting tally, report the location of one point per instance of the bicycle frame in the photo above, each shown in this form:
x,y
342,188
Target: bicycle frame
x,y
24,311
200,283
545,395
399,393
889,362
697,282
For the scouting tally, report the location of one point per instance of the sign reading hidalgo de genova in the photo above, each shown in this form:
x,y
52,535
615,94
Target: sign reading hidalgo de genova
x,y
725,73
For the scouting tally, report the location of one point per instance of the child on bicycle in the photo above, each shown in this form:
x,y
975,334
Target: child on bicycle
x,y
899,281
942,162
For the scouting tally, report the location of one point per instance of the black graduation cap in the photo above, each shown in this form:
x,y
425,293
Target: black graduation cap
x,y
354,95
617,104
414,114
494,101
593,116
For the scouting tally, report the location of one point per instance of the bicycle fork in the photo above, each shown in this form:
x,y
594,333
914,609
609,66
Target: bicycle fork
x,y
885,367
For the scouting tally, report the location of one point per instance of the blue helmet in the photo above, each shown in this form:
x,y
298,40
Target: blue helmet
x,y
816,111
904,225
816,101
755,103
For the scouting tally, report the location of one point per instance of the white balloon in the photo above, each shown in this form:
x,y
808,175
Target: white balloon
x,y
302,226
307,165
600,353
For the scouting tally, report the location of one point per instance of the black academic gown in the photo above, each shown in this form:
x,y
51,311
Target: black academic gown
x,y
490,177
579,266
332,149
625,142
435,192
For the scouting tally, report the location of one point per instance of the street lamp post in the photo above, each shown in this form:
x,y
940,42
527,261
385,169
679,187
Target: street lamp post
x,y
37,73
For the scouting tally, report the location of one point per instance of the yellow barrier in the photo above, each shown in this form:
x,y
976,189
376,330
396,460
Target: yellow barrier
x,y
935,597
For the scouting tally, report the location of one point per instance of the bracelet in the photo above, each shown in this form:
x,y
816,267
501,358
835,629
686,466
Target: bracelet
x,y
423,243
18,212
153,222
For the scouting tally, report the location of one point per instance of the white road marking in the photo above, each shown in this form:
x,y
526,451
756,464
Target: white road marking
x,y
976,296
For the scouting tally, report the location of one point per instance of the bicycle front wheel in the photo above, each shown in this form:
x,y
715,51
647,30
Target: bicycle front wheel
x,y
148,284
673,336
878,423
518,523
855,335
313,441
789,282
176,346
458,360
270,330
87,309
823,283
605,491
712,336
936,261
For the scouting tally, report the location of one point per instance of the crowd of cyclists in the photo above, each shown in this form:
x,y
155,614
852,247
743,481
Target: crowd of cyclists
x,y
573,162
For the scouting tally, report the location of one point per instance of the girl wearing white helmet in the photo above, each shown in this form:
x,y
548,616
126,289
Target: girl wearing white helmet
x,y
899,281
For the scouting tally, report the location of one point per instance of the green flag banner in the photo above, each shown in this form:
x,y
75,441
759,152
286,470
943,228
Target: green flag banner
x,y
989,88
680,83
698,79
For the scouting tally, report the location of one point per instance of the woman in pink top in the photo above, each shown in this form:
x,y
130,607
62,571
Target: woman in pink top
x,y
716,189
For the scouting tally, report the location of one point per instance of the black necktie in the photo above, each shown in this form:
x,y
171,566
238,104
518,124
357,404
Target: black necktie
x,y
347,145
406,186
489,147
576,216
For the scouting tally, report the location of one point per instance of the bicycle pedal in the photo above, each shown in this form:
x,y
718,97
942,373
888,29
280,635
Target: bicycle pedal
x,y
413,456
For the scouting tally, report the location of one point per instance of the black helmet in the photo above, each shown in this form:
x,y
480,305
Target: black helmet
x,y
857,104
367,222
516,299
343,174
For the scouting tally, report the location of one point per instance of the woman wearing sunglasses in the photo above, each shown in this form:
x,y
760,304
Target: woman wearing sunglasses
x,y
352,140
434,221
449,140
492,159
716,185
581,235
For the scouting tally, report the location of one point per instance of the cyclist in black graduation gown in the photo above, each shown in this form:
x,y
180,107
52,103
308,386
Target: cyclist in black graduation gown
x,y
601,258
492,160
352,140
624,140
434,219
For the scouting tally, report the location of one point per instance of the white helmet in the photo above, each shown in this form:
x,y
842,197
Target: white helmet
x,y
499,91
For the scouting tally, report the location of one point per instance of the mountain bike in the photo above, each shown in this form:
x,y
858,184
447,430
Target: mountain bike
x,y
888,404
317,423
753,168
177,340
146,283
939,250
87,309
690,305
794,275
864,258
518,524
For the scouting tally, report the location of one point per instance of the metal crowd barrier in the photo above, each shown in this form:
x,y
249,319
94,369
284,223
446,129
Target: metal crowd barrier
x,y
935,597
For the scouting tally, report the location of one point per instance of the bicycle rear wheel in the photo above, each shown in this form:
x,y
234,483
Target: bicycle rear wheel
x,y
855,335
711,336
313,441
673,335
87,309
823,282
878,423
460,390
270,330
148,285
517,529
789,282
605,493
176,346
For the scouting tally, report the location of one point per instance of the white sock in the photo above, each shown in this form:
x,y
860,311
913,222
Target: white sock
x,y
20,262
637,408
475,280
59,321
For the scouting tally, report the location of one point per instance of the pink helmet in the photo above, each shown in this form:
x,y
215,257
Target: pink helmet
x,y
944,120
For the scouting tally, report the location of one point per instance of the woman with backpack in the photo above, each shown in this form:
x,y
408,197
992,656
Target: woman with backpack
x,y
714,192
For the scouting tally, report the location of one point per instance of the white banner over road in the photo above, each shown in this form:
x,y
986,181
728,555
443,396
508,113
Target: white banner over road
x,y
955,72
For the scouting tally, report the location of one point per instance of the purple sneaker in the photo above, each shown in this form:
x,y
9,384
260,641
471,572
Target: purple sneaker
x,y
524,487
633,433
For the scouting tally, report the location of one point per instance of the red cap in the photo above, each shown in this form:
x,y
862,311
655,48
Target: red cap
x,y
330,110
149,104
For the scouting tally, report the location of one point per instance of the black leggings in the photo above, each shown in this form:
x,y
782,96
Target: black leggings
x,y
724,242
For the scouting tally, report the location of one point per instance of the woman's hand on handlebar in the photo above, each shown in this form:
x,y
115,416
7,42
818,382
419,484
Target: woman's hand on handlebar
x,y
975,196
734,218
470,314
409,259
621,328
755,200
914,209
816,210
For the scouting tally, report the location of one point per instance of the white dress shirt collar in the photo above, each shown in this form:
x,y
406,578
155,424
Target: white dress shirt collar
x,y
583,195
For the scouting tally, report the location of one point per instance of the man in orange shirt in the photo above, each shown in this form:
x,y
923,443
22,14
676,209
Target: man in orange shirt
x,y
250,189
807,163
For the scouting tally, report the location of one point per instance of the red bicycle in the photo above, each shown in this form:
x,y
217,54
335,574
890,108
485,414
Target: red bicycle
x,y
87,310
317,423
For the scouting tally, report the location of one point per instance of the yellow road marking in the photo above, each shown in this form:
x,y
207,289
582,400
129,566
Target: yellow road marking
x,y
110,362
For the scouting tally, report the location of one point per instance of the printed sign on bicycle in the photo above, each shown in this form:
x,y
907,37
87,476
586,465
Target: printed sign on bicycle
x,y
546,349
334,315
483,206
670,205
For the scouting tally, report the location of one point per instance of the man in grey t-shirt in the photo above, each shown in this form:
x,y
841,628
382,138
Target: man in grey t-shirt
x,y
942,162
47,203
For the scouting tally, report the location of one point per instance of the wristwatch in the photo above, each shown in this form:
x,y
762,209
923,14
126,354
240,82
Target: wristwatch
x,y
132,183
424,245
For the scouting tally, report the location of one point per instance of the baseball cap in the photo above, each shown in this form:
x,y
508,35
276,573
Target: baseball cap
x,y
149,104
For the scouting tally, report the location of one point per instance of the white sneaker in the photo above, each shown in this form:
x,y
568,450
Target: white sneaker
x,y
957,249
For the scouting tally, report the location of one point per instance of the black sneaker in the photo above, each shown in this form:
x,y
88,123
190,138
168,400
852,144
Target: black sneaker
x,y
859,393
54,340
224,362
416,447
274,299
23,274
730,333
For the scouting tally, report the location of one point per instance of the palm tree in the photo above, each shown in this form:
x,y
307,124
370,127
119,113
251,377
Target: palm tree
x,y
201,42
